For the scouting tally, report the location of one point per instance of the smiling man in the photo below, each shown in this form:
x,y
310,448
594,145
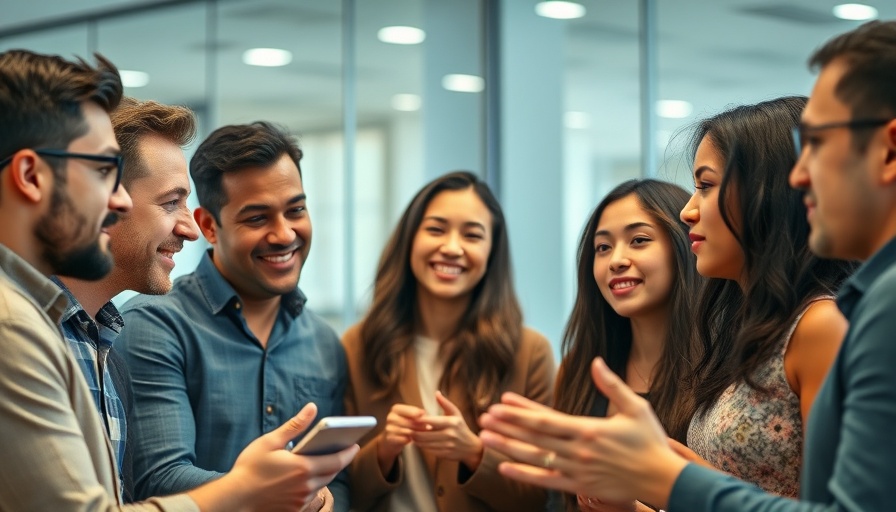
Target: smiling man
x,y
142,243
846,149
232,349
60,171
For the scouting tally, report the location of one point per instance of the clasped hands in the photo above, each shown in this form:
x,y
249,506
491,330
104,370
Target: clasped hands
x,y
447,436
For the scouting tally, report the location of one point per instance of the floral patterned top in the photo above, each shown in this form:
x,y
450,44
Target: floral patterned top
x,y
754,436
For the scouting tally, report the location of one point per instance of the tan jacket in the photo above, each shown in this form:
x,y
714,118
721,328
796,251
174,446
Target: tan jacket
x,y
56,455
485,489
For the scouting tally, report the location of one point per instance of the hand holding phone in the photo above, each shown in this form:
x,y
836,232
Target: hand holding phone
x,y
333,434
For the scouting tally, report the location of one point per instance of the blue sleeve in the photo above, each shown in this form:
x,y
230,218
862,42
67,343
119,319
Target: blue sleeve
x,y
864,471
699,489
860,473
165,453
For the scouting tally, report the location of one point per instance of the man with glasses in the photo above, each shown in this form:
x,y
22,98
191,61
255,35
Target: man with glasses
x,y
847,168
113,169
55,211
143,243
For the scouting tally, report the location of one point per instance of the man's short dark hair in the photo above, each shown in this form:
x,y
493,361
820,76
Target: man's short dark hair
x,y
234,148
134,119
41,98
868,87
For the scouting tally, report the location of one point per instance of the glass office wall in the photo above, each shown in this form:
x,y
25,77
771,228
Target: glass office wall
x,y
601,115
550,110
408,123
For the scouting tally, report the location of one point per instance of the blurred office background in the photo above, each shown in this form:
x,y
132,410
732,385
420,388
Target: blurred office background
x,y
554,103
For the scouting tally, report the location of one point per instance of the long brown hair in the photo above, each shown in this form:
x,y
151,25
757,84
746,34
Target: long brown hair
x,y
595,329
480,356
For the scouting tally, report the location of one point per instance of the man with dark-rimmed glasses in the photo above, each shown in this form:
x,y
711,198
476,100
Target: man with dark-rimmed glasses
x,y
807,135
847,169
59,190
107,171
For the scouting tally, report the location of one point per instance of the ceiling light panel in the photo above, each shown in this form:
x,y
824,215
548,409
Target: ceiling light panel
x,y
267,57
560,10
401,35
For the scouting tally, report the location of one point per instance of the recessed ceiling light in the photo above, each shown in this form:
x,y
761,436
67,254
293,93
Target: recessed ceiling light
x,y
131,78
855,12
576,120
268,57
463,83
401,35
560,10
406,102
673,109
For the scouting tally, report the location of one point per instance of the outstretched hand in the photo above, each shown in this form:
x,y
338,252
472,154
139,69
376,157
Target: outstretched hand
x,y
618,459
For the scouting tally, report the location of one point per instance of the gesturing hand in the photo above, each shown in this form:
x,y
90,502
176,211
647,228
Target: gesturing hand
x,y
449,436
618,459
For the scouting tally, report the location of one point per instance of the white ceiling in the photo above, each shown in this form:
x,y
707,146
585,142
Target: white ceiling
x,y
711,53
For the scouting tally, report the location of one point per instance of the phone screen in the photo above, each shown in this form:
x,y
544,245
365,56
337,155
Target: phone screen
x,y
334,434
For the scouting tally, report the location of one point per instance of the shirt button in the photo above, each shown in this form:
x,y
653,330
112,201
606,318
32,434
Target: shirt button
x,y
269,409
440,491
237,305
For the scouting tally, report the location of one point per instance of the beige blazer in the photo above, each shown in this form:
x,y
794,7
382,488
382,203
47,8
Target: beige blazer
x,y
485,489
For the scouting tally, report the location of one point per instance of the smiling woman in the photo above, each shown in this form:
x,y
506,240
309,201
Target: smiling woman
x,y
443,339
633,307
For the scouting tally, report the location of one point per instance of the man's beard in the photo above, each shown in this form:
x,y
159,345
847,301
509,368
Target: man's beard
x,y
58,230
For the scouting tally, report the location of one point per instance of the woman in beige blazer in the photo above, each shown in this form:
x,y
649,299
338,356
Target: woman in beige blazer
x,y
442,340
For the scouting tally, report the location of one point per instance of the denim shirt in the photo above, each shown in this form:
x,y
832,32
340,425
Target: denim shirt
x,y
204,387
90,341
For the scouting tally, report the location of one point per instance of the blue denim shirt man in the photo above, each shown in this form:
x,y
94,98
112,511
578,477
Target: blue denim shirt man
x,y
232,351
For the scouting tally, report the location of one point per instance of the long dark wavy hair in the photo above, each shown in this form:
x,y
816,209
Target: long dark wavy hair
x,y
595,329
741,325
479,357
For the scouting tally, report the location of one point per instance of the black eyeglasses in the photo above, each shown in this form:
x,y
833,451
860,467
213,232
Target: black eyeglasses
x,y
118,160
802,131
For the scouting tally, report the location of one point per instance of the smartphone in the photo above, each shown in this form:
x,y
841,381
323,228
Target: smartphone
x,y
333,434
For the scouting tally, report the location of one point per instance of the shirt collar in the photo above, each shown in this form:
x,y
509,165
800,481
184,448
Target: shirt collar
x,y
219,294
108,316
853,290
33,284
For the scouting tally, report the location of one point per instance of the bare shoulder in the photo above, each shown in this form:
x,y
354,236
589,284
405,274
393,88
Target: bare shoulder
x,y
814,344
821,322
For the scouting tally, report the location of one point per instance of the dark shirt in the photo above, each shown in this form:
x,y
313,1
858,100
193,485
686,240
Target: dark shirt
x,y
850,448
204,387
